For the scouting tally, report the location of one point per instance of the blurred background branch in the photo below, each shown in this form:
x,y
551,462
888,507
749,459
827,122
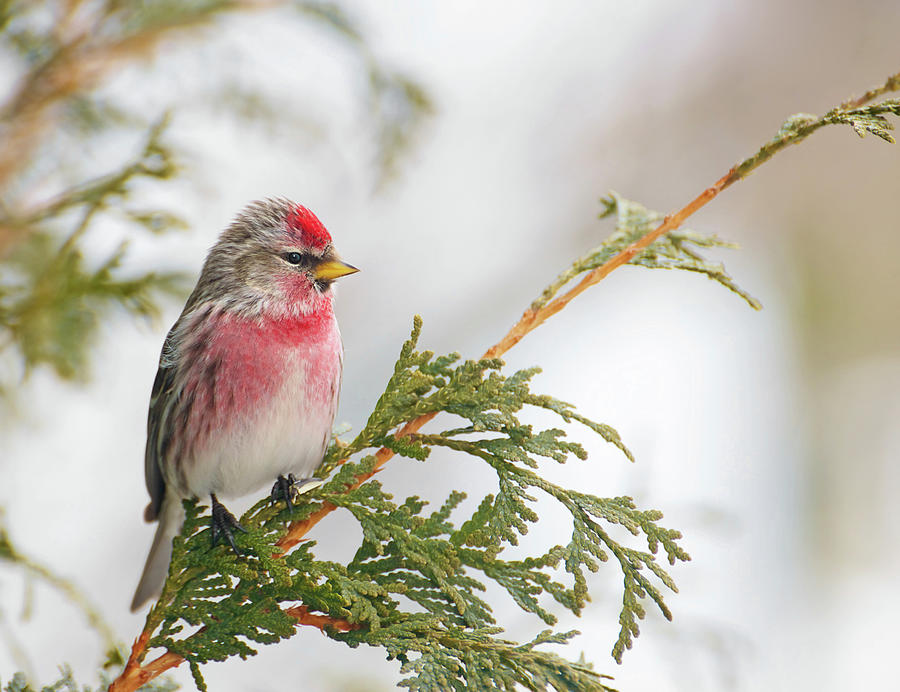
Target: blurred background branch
x,y
53,292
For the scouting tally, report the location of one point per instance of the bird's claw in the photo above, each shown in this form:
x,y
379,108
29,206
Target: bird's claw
x,y
223,525
285,489
289,489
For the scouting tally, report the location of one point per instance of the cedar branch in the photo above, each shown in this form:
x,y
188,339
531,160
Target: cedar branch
x,y
531,319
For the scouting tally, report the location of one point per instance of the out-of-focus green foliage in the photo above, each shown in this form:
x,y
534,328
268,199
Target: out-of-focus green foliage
x,y
54,294
51,297
67,683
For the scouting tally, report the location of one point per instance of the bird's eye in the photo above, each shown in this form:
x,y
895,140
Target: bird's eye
x,y
294,257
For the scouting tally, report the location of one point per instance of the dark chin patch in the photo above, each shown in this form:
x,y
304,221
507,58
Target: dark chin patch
x,y
322,285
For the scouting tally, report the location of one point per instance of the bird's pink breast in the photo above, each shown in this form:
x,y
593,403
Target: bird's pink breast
x,y
255,357
254,381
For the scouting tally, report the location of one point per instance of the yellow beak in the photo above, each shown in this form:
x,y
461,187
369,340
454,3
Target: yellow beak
x,y
333,269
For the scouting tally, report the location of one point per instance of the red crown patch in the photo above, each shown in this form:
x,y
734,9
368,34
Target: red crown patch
x,y
306,228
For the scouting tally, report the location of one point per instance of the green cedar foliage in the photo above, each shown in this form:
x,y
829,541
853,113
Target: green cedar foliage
x,y
414,584
678,249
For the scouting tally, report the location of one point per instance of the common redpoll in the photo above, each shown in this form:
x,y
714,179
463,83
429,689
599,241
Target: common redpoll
x,y
249,375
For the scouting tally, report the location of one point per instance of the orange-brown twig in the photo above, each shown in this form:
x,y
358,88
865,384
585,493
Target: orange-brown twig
x,y
303,617
134,675
137,675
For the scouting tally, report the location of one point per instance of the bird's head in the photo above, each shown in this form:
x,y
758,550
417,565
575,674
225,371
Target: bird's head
x,y
275,256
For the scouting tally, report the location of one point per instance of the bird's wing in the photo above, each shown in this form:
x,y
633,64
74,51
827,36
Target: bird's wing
x,y
163,399
158,433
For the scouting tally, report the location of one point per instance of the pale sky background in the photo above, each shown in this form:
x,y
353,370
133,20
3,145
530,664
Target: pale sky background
x,y
770,439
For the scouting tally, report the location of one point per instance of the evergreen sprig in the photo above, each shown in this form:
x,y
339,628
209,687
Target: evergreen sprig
x,y
677,249
413,587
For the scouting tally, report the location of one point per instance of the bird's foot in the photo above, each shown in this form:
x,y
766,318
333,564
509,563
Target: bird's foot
x,y
285,489
289,489
223,524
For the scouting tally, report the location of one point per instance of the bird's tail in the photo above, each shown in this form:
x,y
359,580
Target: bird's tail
x,y
171,517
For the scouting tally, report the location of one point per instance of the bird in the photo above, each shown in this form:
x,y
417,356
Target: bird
x,y
249,376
